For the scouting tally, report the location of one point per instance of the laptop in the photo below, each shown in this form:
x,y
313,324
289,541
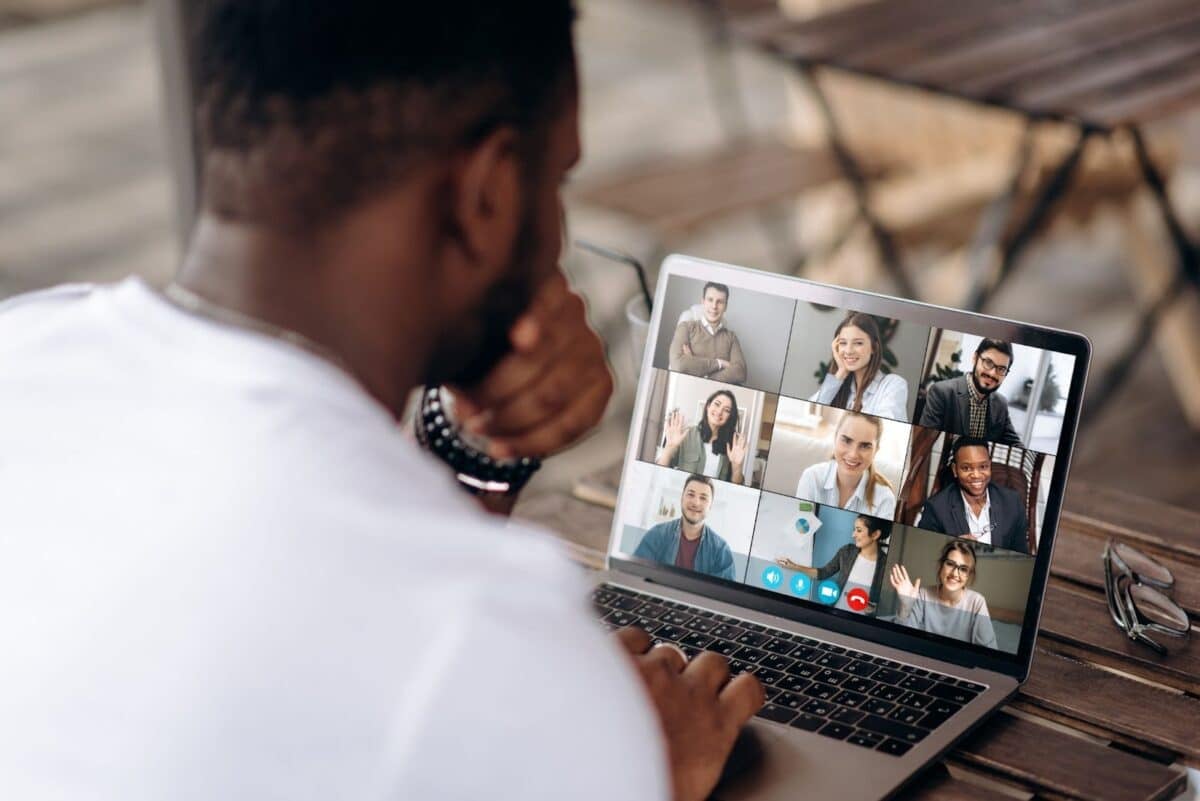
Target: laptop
x,y
851,495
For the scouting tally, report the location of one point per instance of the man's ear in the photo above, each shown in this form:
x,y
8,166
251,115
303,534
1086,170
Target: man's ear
x,y
487,202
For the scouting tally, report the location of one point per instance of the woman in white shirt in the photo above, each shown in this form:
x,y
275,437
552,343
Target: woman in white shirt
x,y
848,480
855,379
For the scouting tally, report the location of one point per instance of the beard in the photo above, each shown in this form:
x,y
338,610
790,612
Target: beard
x,y
981,389
465,357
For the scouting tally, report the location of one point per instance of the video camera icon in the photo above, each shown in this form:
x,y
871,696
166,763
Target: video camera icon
x,y
828,592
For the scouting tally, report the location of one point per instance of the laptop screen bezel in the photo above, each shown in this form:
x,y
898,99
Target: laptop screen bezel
x,y
847,623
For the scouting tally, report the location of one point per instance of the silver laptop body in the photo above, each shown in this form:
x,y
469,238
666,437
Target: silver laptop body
x,y
799,763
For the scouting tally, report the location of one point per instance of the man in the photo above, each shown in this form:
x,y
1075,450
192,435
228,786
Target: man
x,y
975,508
225,570
969,405
688,542
707,347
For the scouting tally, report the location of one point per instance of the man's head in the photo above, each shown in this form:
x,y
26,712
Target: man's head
x,y
992,361
697,498
715,298
972,466
416,138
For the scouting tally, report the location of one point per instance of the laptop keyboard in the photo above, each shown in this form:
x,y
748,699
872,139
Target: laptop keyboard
x,y
838,692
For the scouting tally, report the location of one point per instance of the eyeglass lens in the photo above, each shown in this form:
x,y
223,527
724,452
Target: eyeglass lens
x,y
1145,568
1158,608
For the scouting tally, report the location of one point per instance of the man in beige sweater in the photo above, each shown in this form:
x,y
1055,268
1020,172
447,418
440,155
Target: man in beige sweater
x,y
706,347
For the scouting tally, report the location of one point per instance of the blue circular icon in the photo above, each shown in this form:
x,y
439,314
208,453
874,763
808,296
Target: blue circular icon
x,y
801,584
772,577
802,525
828,592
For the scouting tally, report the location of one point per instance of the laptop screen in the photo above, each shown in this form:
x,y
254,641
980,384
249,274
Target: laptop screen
x,y
854,458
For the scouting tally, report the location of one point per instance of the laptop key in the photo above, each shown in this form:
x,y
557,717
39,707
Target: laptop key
x,y
858,685
697,640
805,670
776,662
916,683
750,654
625,603
779,714
777,645
915,700
857,667
942,707
830,676
875,706
907,716
888,676
753,638
671,633
772,693
819,708
620,619
894,747
676,618
822,691
650,609
767,676
958,695
793,684
724,648
865,738
807,721
647,624
847,716
791,700
975,688
847,698
832,661
837,731
931,720
702,625
725,631
892,728
886,692
837,649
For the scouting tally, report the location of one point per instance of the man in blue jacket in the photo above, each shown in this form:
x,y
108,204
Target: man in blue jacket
x,y
688,542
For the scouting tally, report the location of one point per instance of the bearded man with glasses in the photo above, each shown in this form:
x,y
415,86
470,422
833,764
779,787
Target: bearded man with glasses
x,y
970,405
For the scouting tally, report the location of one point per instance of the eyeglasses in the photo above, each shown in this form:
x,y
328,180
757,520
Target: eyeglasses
x,y
991,365
1135,586
964,570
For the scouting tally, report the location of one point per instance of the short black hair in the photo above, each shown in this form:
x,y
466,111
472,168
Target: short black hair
x,y
708,482
996,344
714,285
306,107
968,442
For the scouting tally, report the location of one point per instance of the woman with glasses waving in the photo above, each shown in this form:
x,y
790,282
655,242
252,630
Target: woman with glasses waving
x,y
948,608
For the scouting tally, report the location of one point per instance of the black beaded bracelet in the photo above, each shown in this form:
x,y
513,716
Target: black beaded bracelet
x,y
477,472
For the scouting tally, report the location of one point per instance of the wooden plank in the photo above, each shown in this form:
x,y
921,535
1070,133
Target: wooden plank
x,y
1116,703
965,31
1080,768
935,784
1130,517
1125,743
982,68
1077,557
1081,618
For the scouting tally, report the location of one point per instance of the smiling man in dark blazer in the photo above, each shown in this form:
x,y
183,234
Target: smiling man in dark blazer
x,y
975,508
969,404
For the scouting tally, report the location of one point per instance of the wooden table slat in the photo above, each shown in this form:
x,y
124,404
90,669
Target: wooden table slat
x,y
1080,768
1081,618
1115,703
983,68
1077,552
1138,520
935,784
961,32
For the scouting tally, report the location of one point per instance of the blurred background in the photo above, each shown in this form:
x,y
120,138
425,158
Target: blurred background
x,y
693,143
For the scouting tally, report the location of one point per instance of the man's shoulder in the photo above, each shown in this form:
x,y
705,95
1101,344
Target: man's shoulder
x,y
1006,495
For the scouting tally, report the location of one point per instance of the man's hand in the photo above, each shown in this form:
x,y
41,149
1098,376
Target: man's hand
x,y
700,707
553,386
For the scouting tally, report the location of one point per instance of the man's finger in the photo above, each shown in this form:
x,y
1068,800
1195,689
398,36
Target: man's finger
x,y
708,671
548,395
633,639
742,697
669,654
583,413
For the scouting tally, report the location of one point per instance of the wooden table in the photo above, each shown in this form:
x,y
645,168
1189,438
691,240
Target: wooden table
x,y
1100,718
1105,67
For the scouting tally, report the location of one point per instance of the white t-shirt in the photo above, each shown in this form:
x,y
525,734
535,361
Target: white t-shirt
x,y
980,525
711,461
225,573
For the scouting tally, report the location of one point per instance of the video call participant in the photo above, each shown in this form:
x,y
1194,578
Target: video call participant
x,y
848,480
969,404
859,562
948,608
711,448
855,380
688,542
973,507
707,347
